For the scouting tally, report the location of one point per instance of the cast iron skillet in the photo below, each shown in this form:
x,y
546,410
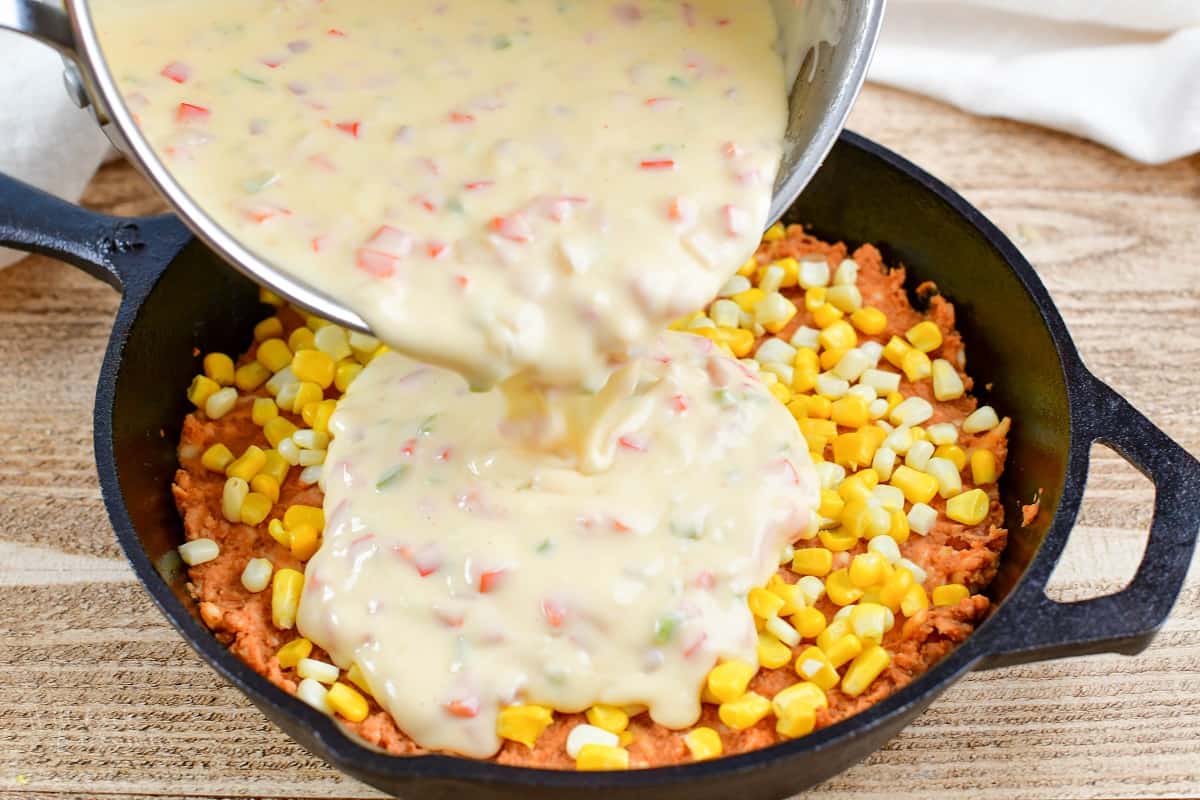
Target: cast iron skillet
x,y
180,299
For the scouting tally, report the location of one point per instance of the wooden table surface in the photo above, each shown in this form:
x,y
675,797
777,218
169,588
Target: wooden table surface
x,y
100,697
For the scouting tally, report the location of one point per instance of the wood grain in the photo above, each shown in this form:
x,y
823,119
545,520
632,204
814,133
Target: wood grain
x,y
99,697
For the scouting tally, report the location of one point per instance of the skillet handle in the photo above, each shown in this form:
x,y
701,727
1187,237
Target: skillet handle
x,y
1125,622
124,252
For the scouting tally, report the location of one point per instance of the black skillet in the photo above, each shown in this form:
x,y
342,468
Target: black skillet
x,y
180,299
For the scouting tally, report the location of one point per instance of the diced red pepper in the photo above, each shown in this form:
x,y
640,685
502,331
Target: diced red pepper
x,y
319,242
189,113
705,580
634,443
447,618
619,526
679,403
262,213
271,63
731,150
463,281
695,646
659,101
349,127
373,262
555,614
681,209
461,118
425,203
514,228
177,71
463,709
658,163
475,186
335,32
489,580
435,249
391,240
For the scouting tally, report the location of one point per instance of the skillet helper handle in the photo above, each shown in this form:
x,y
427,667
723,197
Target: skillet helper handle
x,y
120,251
1126,621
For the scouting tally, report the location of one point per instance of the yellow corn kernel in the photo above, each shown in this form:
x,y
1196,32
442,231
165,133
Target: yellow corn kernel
x,y
854,449
840,589
969,508
814,298
895,350
728,681
255,508
812,561
898,527
594,757
273,354
304,515
865,668
917,486
858,486
355,676
268,297
302,339
250,376
838,540
813,665
285,597
806,357
278,429
925,336
279,533
219,367
275,467
804,379
832,504
797,719
895,587
820,407
265,485
833,631
808,622
781,393
317,415
347,702
263,411
314,366
740,341
269,328
772,653
844,649
838,335
308,392
915,600
775,233
290,654
748,299
916,366
201,389
869,320
952,453
817,432
983,467
789,593
744,711
763,603
304,541
703,743
950,594
870,621
248,464
748,268
827,316
829,358
850,411
805,692
611,718
524,723
345,374
868,569
217,458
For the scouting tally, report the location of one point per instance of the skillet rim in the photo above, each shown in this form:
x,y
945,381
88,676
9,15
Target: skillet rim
x,y
338,747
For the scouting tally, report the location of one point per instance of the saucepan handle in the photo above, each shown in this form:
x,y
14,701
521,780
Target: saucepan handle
x,y
125,252
1040,628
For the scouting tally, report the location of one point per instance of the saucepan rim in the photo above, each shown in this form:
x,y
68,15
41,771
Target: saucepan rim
x,y
342,750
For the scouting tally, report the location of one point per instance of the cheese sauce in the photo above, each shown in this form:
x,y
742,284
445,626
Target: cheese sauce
x,y
463,573
494,185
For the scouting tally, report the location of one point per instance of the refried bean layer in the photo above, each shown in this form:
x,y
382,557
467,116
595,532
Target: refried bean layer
x,y
949,553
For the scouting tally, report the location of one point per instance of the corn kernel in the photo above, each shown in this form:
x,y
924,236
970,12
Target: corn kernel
x,y
829,358
812,561
728,681
870,621
255,508
355,675
273,354
775,233
813,665
781,393
915,600
285,597
265,485
345,374
593,757
302,339
797,719
869,320
772,653
763,603
820,407
844,649
315,367
841,589
895,350
790,593
219,368
838,335
217,458
279,533
805,692
304,541
275,467
808,622
248,464
867,569
744,711
748,268
952,453
898,527
850,411
826,316
232,496
703,743
268,297
865,668
263,411
307,392
925,336
916,366
917,486
278,429
201,389
347,702
291,653
524,723
304,515
858,486
983,467
250,376
969,508
854,449
950,594
895,587
269,328
838,540
947,383
748,299
981,419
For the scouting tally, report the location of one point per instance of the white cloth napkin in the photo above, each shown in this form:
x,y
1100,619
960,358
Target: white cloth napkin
x,y
44,139
1125,73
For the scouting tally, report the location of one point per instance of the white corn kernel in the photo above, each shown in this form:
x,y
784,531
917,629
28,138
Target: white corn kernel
x,y
888,496
866,393
725,313
776,350
872,350
884,462
852,365
946,474
877,408
584,734
750,364
881,381
310,458
772,278
232,497
701,322
918,574
846,273
830,474
735,285
911,411
805,336
921,518
899,440
289,451
885,546
286,397
257,574
363,342
279,380
220,402
918,455
310,439
786,556
844,298
942,433
332,340
982,419
812,274
199,551
811,589
314,694
317,670
783,631
947,384
831,385
310,475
